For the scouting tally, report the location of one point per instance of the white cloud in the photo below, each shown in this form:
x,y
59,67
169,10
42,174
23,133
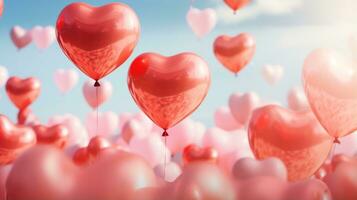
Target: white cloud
x,y
256,9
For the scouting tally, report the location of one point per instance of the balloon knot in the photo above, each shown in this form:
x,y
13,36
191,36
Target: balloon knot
x,y
96,84
337,141
165,134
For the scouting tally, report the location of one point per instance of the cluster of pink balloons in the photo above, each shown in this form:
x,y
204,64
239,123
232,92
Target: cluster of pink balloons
x,y
42,37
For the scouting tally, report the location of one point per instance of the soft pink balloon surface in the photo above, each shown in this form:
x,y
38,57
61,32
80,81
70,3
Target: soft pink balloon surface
x,y
201,21
43,37
65,79
242,105
106,126
224,119
96,96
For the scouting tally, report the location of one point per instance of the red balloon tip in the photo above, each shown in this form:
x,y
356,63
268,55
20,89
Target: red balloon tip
x,y
337,141
165,134
96,84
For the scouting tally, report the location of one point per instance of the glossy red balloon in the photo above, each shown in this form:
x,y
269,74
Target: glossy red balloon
x,y
168,89
23,92
56,135
236,52
236,4
97,39
193,153
14,139
85,155
297,138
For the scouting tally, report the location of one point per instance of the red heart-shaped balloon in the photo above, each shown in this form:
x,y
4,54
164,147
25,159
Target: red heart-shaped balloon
x,y
56,135
97,39
23,92
168,89
85,155
297,138
236,4
236,52
14,139
193,153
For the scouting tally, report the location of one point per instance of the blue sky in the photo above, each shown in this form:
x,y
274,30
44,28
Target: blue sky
x,y
164,30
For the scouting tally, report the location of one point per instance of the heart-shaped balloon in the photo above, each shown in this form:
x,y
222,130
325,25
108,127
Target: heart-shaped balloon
x,y
343,182
330,80
14,139
168,89
297,99
65,79
56,135
20,37
224,119
106,126
236,4
296,138
23,92
201,21
43,37
272,73
97,39
194,153
85,155
246,168
4,75
96,96
243,105
236,52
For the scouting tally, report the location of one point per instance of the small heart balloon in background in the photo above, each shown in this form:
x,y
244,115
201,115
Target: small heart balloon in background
x,y
96,96
168,89
195,153
22,93
107,124
329,80
56,135
235,5
97,39
297,138
224,119
297,99
20,37
65,79
4,75
243,105
43,37
272,73
201,22
86,155
234,53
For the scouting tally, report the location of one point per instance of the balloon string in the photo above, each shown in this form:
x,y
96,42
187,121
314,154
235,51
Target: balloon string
x,y
165,134
97,110
335,143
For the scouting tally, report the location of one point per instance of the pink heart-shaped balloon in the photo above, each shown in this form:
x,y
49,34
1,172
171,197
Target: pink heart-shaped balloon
x,y
330,81
4,75
272,73
168,89
106,126
56,135
278,132
224,119
246,168
236,52
96,96
14,139
20,37
23,92
65,79
297,99
97,39
201,21
242,106
43,37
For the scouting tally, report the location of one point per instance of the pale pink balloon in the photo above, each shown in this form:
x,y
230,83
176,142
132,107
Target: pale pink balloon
x,y
330,81
168,172
297,99
348,145
183,134
202,181
65,79
123,118
152,148
77,133
272,73
90,92
43,37
201,21
246,168
242,105
224,119
272,188
3,75
106,126
20,37
133,128
4,172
